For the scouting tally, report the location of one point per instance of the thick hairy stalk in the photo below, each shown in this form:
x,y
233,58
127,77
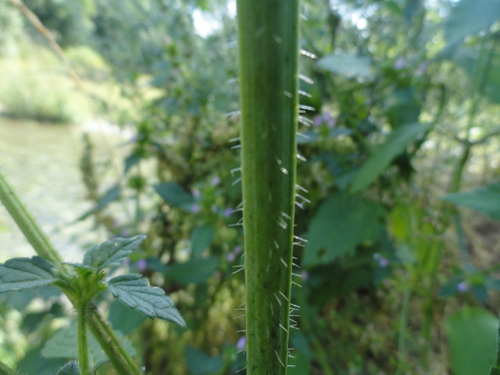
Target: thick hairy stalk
x,y
42,245
268,79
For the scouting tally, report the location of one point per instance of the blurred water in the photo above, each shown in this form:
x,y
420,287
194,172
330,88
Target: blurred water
x,y
41,162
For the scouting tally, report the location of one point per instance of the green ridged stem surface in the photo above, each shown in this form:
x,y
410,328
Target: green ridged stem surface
x,y
268,81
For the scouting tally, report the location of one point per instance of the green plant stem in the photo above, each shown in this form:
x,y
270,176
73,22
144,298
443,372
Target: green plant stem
x,y
268,79
103,333
30,228
106,337
83,350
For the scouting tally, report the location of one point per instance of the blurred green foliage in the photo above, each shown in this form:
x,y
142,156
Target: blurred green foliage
x,y
404,98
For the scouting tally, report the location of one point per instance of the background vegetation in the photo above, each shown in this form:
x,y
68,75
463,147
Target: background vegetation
x,y
399,132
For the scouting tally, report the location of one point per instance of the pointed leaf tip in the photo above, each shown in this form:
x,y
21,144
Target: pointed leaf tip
x,y
111,253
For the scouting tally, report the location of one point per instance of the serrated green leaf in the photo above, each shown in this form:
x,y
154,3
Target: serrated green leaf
x,y
395,143
484,199
340,224
25,273
472,341
135,292
70,368
111,253
64,344
175,195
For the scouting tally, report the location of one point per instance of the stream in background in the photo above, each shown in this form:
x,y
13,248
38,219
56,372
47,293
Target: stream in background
x,y
41,161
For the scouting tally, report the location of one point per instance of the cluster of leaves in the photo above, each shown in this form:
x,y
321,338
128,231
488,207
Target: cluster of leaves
x,y
88,279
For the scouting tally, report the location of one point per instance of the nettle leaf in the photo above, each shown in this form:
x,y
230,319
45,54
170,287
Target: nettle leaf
x,y
135,292
70,368
25,273
341,223
395,143
484,199
111,253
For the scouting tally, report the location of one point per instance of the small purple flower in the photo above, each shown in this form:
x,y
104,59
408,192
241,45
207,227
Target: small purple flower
x,y
196,193
328,120
317,120
126,262
124,233
463,287
228,211
237,249
231,257
195,208
400,63
214,208
422,68
242,342
216,181
305,275
141,265
383,262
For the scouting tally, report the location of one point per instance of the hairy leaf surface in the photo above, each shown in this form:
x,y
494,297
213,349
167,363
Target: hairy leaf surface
x,y
25,273
135,292
111,253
